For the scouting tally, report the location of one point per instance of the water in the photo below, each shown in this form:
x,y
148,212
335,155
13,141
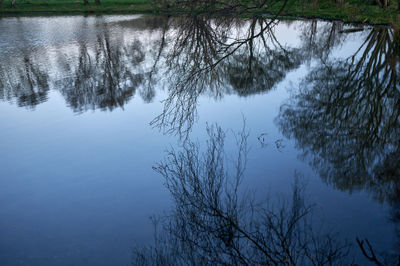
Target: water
x,y
89,105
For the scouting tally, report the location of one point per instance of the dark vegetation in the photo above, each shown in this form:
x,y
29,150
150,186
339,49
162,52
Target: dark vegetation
x,y
371,11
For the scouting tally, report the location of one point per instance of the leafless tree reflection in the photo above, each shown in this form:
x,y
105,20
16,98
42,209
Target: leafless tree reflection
x,y
217,57
320,38
347,115
25,82
102,71
215,223
106,75
346,118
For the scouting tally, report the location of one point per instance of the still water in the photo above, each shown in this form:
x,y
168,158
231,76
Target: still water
x,y
89,106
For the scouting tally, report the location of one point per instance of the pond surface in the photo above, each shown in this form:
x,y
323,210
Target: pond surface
x,y
89,105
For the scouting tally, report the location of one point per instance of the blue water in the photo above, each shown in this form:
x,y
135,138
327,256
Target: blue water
x,y
76,180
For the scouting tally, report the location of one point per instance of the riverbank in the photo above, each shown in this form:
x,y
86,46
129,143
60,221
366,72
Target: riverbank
x,y
349,11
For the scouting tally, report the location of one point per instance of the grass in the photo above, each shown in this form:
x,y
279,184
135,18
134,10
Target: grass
x,y
349,11
29,7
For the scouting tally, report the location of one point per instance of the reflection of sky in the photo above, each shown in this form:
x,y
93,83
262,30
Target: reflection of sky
x,y
78,189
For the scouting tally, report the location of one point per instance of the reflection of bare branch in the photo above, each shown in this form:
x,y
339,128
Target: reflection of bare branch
x,y
104,74
215,57
149,90
346,119
319,38
347,115
214,223
105,78
370,254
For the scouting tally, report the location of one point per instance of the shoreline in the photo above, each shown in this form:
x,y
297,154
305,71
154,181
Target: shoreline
x,y
124,9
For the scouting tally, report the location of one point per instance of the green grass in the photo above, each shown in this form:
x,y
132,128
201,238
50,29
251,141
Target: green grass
x,y
350,11
27,7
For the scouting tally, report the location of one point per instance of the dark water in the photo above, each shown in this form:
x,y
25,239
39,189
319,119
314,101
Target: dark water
x,y
90,104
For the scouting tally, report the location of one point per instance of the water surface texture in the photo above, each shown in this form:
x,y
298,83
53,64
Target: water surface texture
x,y
89,105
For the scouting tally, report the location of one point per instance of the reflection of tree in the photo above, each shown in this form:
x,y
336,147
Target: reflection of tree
x,y
104,74
216,57
23,79
248,75
26,82
213,223
197,56
347,116
104,77
346,119
319,38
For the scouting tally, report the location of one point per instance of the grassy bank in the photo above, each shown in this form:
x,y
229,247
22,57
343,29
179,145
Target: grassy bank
x,y
349,11
31,7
